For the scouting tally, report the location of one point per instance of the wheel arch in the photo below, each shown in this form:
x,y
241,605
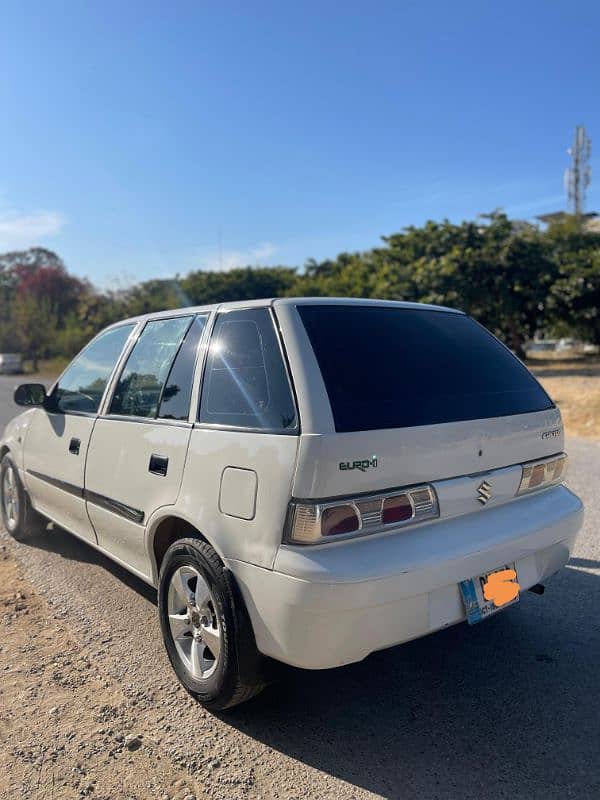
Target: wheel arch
x,y
166,529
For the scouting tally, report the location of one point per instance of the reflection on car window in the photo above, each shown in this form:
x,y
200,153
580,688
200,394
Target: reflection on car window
x,y
81,387
175,402
245,383
141,383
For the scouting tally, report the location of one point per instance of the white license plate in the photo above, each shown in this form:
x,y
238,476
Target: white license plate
x,y
486,594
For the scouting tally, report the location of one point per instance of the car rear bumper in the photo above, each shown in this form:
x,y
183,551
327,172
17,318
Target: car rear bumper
x,y
331,605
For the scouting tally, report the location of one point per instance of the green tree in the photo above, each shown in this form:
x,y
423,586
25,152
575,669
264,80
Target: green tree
x,y
493,269
575,294
244,283
511,276
149,296
36,323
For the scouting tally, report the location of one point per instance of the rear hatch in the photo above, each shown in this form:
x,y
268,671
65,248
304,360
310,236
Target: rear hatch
x,y
417,395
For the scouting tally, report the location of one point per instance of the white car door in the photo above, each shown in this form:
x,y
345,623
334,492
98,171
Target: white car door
x,y
57,439
138,447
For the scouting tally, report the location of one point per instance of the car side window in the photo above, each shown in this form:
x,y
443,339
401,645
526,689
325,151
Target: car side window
x,y
82,385
142,380
245,383
176,396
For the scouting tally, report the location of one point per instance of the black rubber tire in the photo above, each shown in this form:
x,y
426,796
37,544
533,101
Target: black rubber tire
x,y
29,521
237,677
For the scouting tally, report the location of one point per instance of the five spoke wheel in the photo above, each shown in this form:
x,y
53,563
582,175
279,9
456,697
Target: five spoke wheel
x,y
10,498
193,621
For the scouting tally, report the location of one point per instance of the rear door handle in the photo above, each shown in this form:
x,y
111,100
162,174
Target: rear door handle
x,y
74,446
158,464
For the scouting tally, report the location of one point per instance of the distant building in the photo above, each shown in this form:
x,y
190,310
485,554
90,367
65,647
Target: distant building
x,y
590,221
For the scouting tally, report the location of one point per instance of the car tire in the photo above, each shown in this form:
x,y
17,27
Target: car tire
x,y
18,515
205,627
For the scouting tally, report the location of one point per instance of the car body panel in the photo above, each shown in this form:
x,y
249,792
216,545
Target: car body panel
x,y
272,457
13,437
334,604
331,465
121,491
53,475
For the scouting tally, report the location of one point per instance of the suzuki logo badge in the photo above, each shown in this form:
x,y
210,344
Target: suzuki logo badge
x,y
484,492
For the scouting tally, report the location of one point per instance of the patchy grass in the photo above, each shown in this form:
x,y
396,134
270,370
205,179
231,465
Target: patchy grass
x,y
575,388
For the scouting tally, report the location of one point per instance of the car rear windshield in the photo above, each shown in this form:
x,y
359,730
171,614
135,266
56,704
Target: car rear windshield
x,y
386,367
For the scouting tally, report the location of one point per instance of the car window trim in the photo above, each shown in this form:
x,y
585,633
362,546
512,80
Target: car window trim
x,y
296,430
179,423
200,365
243,429
174,359
288,369
60,413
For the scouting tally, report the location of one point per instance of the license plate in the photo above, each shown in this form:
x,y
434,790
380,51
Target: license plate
x,y
486,594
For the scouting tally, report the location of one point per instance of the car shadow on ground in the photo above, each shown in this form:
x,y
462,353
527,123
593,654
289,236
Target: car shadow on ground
x,y
507,708
56,540
510,707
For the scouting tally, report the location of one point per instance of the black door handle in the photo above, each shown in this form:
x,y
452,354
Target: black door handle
x,y
158,464
74,446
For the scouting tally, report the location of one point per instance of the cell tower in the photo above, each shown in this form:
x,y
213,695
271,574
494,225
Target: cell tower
x,y
579,175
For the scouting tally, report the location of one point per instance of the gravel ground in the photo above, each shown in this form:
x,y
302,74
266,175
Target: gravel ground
x,y
507,709
67,730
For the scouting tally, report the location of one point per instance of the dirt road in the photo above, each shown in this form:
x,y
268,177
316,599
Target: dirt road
x,y
65,728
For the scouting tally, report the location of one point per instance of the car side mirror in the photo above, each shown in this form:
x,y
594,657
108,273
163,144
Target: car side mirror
x,y
30,394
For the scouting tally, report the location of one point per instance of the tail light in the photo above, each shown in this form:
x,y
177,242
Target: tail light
x,y
316,522
540,474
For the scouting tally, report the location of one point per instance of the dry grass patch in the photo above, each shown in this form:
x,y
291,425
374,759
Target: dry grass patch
x,y
575,388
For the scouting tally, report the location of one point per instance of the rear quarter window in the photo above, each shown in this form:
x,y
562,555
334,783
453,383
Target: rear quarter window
x,y
386,367
245,383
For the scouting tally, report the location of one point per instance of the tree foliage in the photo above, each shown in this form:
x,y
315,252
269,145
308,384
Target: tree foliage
x,y
245,283
509,275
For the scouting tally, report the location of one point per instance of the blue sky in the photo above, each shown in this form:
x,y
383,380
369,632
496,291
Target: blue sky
x,y
144,139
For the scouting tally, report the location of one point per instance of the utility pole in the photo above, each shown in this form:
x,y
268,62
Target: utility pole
x,y
579,175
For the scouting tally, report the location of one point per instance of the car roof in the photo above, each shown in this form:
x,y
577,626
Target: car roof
x,y
283,301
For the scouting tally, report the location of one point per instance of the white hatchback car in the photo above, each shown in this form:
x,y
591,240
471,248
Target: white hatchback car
x,y
308,480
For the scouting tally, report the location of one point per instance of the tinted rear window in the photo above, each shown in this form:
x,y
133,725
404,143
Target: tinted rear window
x,y
245,384
399,367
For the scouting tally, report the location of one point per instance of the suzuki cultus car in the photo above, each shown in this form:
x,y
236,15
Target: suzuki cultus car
x,y
306,480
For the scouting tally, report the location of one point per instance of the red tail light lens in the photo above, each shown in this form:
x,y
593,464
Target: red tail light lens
x,y
314,522
397,509
339,519
540,474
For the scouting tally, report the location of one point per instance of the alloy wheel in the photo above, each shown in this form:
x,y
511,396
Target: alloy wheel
x,y
193,622
10,498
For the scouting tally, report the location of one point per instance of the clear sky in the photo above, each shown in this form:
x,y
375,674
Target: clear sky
x,y
141,139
